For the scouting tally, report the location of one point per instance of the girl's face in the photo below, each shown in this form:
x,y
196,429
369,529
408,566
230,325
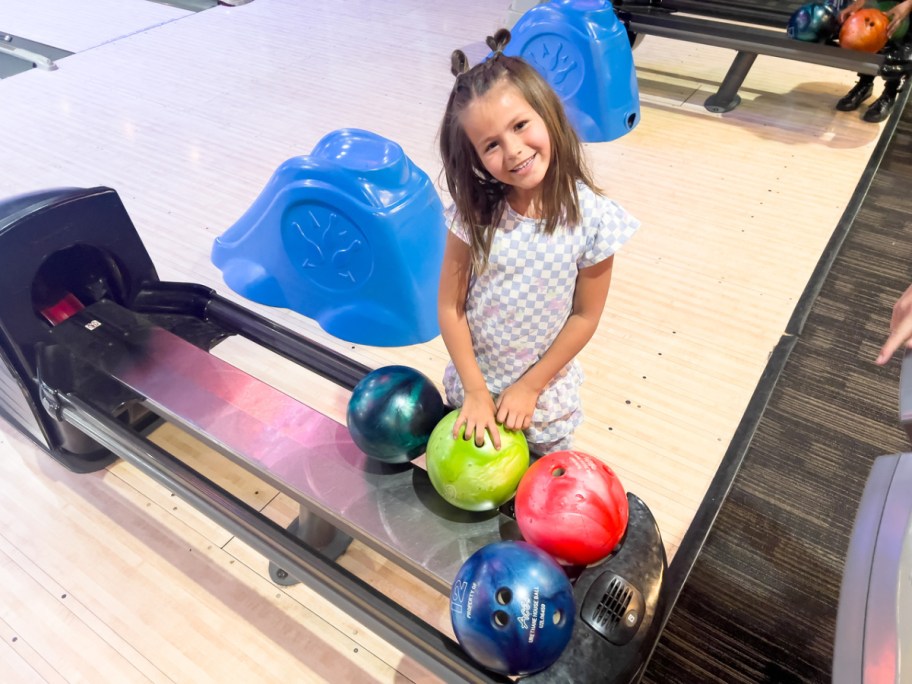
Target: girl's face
x,y
511,140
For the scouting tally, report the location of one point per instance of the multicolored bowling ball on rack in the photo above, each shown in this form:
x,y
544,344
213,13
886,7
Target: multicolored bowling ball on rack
x,y
392,412
512,608
814,22
573,506
471,477
865,30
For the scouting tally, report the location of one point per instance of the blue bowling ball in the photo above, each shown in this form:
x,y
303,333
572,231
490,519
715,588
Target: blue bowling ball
x,y
512,608
814,22
392,412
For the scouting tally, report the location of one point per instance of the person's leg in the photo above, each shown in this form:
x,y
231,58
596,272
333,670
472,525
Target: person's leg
x,y
555,435
860,92
881,107
539,449
897,65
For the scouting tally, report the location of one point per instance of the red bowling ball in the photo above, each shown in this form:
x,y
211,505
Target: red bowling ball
x,y
573,506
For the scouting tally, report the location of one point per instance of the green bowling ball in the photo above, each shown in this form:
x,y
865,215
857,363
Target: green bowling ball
x,y
475,478
903,29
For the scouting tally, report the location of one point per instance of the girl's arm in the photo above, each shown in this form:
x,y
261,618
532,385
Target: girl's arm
x,y
477,412
517,403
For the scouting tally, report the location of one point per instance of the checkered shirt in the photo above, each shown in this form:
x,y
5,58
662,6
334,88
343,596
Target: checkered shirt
x,y
517,307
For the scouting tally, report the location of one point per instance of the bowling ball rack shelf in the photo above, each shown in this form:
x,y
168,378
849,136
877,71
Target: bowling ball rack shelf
x,y
97,351
691,23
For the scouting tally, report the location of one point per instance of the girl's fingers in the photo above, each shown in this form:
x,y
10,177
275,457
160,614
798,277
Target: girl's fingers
x,y
495,435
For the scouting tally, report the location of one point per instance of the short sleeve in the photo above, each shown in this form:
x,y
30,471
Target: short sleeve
x,y
455,225
608,226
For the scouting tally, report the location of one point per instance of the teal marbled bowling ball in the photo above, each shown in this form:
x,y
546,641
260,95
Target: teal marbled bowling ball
x,y
392,412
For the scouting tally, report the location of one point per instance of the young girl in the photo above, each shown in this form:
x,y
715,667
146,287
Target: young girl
x,y
528,258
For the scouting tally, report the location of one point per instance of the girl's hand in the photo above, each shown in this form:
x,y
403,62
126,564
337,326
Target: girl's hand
x,y
516,405
477,415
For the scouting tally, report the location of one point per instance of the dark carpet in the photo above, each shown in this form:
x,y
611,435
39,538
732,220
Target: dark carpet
x,y
760,601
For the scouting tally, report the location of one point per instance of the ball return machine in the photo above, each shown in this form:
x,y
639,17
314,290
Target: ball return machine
x,y
97,351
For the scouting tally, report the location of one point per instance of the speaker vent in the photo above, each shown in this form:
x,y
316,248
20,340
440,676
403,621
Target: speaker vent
x,y
613,607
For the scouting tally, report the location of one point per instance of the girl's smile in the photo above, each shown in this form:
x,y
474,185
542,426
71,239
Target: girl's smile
x,y
525,166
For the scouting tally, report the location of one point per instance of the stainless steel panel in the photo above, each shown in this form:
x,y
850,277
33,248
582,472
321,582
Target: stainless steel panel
x,y
304,453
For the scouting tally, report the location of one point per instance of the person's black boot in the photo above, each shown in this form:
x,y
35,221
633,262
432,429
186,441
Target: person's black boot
x,y
881,107
852,100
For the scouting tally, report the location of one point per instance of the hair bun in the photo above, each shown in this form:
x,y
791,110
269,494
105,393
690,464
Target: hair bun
x,y
499,40
459,63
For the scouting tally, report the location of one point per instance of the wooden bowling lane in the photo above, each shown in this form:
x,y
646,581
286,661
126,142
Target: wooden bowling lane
x,y
187,119
107,601
81,26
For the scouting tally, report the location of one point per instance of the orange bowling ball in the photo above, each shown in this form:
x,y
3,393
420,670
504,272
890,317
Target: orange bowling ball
x,y
865,30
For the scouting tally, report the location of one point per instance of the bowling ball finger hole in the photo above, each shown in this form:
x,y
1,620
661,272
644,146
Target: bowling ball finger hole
x,y
557,617
558,472
501,619
504,596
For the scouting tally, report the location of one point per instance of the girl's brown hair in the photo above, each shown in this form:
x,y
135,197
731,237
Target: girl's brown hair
x,y
481,199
